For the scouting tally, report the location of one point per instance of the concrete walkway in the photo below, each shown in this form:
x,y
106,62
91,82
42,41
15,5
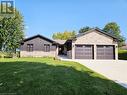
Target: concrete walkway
x,y
114,70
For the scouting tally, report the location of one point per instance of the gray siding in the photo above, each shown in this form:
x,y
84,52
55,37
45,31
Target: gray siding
x,y
38,48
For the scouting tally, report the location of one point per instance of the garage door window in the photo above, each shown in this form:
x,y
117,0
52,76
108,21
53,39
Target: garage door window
x,y
79,46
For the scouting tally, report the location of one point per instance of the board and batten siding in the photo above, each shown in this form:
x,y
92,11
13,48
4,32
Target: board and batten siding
x,y
94,38
38,48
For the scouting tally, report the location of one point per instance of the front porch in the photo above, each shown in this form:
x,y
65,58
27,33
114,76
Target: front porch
x,y
65,50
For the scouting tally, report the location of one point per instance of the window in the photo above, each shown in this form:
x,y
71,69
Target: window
x,y
46,47
30,47
79,45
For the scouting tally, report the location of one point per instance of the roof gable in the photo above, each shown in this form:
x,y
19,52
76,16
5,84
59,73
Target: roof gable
x,y
40,36
98,30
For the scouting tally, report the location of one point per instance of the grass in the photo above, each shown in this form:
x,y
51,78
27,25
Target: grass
x,y
45,76
122,54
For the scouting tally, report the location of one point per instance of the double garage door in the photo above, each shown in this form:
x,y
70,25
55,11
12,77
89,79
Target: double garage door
x,y
87,52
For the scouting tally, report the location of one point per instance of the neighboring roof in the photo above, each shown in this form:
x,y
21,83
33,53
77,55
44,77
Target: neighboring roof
x,y
40,36
60,41
99,30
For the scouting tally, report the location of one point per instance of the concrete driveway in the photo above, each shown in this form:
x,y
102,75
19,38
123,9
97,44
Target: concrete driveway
x,y
114,70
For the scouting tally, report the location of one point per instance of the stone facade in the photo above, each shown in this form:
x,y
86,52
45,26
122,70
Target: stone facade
x,y
94,38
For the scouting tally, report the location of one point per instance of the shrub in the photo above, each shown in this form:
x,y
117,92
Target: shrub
x,y
122,54
2,54
9,55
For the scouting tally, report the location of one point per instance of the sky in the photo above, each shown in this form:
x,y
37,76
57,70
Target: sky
x,y
46,17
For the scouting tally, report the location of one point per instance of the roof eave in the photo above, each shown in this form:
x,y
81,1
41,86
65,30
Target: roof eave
x,y
97,29
30,38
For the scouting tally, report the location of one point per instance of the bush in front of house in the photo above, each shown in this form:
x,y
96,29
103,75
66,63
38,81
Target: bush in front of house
x,y
9,55
5,55
122,54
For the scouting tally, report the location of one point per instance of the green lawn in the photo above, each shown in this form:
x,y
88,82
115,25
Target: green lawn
x,y
122,54
45,76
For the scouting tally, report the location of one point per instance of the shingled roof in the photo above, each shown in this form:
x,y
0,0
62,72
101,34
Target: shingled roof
x,y
40,36
60,41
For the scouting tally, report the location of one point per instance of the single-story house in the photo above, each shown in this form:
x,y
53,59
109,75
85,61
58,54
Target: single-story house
x,y
93,44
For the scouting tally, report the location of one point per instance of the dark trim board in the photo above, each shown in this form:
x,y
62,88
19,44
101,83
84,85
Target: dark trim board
x,y
40,36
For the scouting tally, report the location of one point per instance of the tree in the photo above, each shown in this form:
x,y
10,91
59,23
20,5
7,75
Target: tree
x,y
11,32
84,29
114,29
64,35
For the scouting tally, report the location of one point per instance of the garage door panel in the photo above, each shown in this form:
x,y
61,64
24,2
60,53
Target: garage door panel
x,y
84,52
105,52
84,57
